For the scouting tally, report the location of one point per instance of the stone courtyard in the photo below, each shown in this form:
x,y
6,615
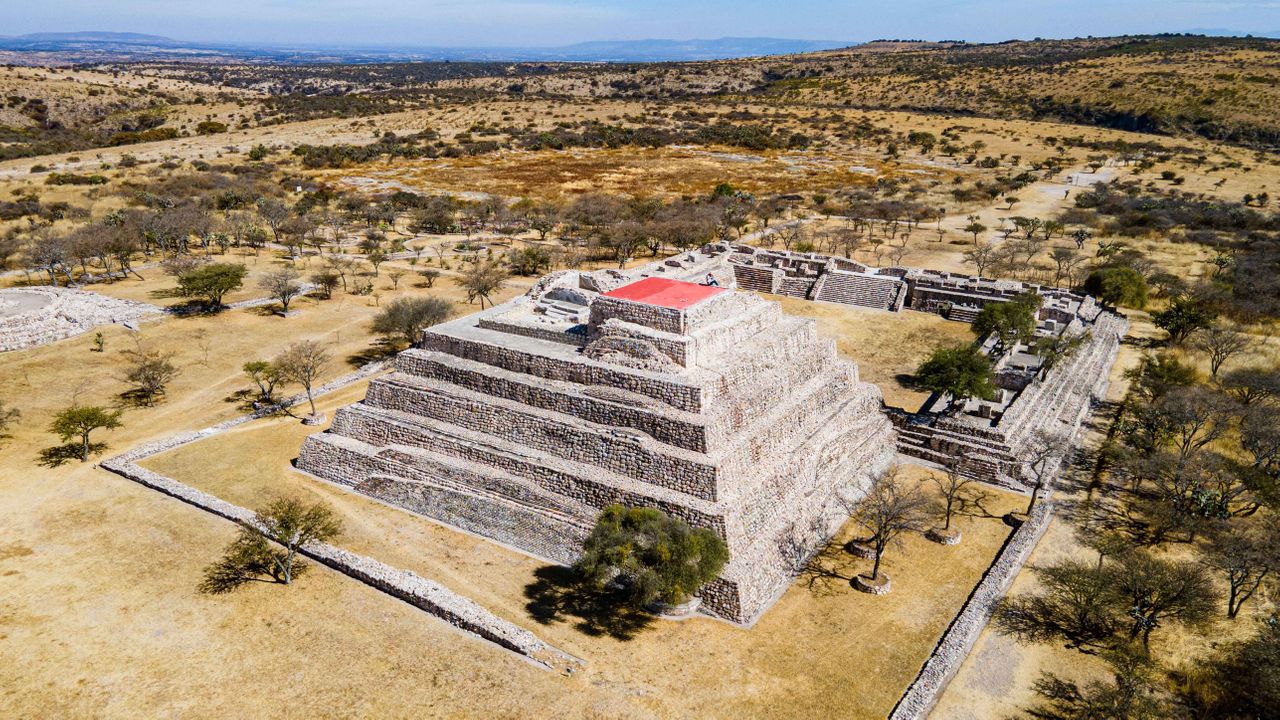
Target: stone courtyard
x,y
32,316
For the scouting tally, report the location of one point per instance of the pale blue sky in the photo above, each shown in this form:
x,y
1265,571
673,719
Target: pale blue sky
x,y
554,22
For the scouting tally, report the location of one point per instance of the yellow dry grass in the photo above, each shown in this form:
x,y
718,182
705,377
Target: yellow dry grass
x,y
101,617
887,346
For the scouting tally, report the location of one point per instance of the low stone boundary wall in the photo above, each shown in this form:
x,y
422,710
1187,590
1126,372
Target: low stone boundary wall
x,y
960,636
404,585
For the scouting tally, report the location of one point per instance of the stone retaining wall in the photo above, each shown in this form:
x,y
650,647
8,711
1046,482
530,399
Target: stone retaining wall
x,y
425,594
960,636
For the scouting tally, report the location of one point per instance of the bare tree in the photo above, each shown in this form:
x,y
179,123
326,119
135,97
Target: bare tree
x,y
983,255
283,285
951,486
890,508
1247,553
303,362
1220,342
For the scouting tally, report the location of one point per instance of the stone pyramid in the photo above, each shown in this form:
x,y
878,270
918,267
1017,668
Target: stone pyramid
x,y
520,422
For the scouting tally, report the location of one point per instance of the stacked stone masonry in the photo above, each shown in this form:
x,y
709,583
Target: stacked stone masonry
x,y
724,412
32,316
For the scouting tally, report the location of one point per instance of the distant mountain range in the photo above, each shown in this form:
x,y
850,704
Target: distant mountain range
x,y
100,46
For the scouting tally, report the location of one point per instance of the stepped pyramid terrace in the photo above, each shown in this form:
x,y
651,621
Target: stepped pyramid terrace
x,y
519,423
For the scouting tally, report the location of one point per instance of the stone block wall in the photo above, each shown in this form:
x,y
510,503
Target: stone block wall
x,y
523,439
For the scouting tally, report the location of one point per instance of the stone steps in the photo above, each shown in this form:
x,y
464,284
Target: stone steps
x,y
662,422
587,484
630,453
861,290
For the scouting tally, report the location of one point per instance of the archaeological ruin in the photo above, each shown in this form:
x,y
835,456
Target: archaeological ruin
x,y
1040,401
520,422
662,386
31,316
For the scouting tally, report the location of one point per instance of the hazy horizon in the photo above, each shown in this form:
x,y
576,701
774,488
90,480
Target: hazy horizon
x,y
535,23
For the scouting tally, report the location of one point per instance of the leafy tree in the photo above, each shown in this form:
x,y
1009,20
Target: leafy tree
x,y
1158,374
654,556
150,372
529,260
266,376
80,421
1012,322
1185,315
408,317
890,508
289,523
302,363
211,281
429,276
327,281
482,280
961,371
1117,286
975,229
283,285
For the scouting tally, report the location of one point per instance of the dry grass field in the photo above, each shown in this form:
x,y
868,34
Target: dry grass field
x,y
90,559
99,614
888,347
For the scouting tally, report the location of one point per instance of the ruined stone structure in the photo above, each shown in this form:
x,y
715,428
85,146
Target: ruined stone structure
x,y
520,422
997,441
31,316
954,296
986,440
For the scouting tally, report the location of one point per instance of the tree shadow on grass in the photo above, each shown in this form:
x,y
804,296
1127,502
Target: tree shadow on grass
x,y
556,594
829,570
381,349
58,455
248,559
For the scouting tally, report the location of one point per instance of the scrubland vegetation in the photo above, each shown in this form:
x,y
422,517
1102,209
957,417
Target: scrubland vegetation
x,y
298,221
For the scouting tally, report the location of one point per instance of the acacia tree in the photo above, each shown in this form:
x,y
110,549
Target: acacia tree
x,y
80,421
211,281
890,508
302,363
482,280
1157,591
1073,601
407,317
266,376
1247,554
1185,315
1220,342
150,372
289,523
